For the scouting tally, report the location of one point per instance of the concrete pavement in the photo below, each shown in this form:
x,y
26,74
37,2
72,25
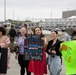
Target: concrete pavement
x,y
15,69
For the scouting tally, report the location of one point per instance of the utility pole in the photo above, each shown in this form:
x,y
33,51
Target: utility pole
x,y
51,15
13,15
68,13
4,10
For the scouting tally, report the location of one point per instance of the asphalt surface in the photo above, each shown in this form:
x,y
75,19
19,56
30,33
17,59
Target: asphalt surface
x,y
15,69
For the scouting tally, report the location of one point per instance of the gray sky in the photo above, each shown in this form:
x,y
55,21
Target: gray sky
x,y
24,9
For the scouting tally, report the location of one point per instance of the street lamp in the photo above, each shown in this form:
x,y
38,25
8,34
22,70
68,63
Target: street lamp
x,y
13,15
51,15
4,10
68,13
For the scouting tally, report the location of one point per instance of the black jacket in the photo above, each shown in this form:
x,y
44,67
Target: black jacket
x,y
12,32
56,46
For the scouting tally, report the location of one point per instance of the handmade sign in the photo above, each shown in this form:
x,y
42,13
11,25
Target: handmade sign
x,y
33,49
68,50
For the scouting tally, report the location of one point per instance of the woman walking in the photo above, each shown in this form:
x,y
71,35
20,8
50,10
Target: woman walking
x,y
4,52
23,63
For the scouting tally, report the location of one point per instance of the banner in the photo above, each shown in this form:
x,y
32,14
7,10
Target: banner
x,y
33,49
68,50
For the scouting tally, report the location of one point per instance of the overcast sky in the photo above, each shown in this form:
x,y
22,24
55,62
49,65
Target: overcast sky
x,y
24,9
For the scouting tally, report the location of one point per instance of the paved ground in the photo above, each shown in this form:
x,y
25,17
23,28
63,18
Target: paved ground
x,y
14,69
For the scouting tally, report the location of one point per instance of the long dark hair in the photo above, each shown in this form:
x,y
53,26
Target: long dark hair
x,y
55,31
41,35
2,29
73,33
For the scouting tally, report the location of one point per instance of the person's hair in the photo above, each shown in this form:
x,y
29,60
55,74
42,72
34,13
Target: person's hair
x,y
55,32
73,32
25,25
3,30
12,26
40,29
63,29
5,26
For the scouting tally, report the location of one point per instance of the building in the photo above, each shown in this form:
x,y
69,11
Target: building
x,y
69,13
58,23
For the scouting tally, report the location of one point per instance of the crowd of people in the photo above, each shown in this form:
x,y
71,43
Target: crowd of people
x,y
52,48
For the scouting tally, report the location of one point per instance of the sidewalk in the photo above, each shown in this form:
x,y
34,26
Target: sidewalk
x,y
15,69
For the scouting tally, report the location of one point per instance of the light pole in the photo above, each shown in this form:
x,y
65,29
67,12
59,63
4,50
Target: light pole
x,y
68,13
51,15
13,15
4,10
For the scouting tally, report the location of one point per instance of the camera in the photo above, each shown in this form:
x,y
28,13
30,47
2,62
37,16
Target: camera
x,y
52,54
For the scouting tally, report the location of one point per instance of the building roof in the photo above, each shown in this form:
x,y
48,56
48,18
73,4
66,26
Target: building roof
x,y
72,17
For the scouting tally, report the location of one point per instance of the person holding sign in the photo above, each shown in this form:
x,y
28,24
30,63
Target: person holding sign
x,y
36,66
4,52
68,50
54,55
23,63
